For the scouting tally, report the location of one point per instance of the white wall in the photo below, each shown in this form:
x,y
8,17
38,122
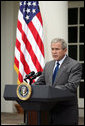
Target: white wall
x,y
55,21
8,32
54,14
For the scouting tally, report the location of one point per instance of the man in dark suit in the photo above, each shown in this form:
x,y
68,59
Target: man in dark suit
x,y
67,77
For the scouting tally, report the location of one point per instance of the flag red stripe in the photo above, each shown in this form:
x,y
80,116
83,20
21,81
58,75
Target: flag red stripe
x,y
30,50
40,18
18,44
19,26
37,37
25,65
16,62
22,58
18,48
35,34
20,77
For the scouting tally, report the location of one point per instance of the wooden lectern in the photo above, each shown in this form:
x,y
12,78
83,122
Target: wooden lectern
x,y
43,99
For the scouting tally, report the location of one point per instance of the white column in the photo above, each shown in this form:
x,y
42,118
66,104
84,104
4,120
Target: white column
x,y
55,22
7,50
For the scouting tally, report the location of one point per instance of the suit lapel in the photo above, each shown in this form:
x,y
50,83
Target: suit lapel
x,y
51,70
62,68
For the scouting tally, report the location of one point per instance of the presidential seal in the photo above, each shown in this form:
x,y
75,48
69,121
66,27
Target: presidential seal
x,y
24,91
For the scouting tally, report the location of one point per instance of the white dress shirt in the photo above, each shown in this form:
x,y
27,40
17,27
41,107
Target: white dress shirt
x,y
60,62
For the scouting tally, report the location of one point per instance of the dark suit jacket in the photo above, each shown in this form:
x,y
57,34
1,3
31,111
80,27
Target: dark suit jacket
x,y
68,78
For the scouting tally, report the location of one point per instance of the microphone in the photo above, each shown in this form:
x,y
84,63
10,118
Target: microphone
x,y
29,75
36,75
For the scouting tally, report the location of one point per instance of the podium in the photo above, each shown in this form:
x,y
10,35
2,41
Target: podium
x,y
43,98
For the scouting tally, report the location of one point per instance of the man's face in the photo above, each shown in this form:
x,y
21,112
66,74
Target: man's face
x,y
57,52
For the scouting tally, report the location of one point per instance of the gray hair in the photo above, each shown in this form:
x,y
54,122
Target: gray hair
x,y
62,41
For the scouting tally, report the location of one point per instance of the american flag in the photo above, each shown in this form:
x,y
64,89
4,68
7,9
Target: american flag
x,y
29,48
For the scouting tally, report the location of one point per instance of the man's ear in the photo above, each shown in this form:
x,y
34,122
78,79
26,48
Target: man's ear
x,y
65,50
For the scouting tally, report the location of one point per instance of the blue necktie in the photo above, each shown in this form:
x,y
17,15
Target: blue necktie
x,y
55,72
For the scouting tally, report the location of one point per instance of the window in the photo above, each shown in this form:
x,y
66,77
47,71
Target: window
x,y
76,38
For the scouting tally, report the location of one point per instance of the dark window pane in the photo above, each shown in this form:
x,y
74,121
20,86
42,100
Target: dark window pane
x,y
72,15
81,54
72,34
81,90
81,15
72,51
81,34
82,70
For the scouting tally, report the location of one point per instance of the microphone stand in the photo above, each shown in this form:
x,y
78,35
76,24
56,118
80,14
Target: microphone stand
x,y
29,79
25,80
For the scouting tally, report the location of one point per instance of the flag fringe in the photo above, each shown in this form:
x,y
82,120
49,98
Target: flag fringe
x,y
17,71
